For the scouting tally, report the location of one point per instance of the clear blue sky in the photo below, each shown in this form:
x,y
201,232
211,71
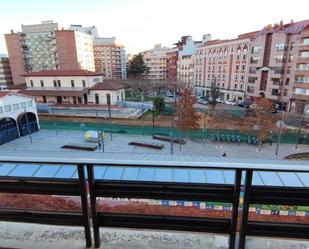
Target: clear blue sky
x,y
139,24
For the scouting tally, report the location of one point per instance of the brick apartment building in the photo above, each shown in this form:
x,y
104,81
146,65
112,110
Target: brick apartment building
x,y
224,62
279,64
5,72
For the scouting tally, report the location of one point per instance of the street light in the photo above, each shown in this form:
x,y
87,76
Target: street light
x,y
281,125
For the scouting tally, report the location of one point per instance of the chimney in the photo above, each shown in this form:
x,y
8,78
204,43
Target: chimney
x,y
12,31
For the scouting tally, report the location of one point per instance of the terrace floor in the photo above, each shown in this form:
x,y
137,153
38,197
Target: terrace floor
x,y
47,140
26,236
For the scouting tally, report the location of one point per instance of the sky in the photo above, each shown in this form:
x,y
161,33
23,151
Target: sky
x,y
140,24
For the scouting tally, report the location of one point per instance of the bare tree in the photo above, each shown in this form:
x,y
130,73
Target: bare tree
x,y
186,117
261,120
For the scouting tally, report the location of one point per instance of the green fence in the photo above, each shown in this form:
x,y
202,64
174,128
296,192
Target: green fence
x,y
166,131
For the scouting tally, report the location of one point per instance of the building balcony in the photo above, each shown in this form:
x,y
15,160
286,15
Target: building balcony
x,y
174,182
302,59
302,47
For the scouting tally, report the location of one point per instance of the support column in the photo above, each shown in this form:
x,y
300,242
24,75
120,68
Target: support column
x,y
84,203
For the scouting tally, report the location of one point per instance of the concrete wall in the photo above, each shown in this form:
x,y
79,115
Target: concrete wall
x,y
118,95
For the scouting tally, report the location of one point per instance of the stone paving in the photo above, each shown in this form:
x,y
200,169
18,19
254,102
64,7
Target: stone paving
x,y
47,140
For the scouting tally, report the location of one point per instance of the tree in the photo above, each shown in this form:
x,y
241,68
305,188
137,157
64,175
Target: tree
x,y
186,118
214,93
136,67
159,105
261,120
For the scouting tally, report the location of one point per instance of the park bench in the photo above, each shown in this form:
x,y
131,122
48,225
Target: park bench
x,y
74,146
168,139
150,145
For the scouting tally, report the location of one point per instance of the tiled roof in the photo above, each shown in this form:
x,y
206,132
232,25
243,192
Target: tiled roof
x,y
61,73
108,85
2,94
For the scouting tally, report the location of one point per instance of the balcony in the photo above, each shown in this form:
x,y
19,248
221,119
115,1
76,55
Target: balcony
x,y
190,179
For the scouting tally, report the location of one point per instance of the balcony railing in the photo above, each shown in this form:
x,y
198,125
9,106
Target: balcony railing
x,y
186,178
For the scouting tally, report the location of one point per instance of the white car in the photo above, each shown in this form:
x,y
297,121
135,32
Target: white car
x,y
228,102
202,101
169,94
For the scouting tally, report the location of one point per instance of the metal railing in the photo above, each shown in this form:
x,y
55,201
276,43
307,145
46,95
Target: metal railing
x,y
121,188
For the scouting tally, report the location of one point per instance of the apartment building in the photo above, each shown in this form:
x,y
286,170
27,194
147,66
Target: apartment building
x,y
155,60
43,47
72,87
171,64
278,64
224,62
110,58
5,72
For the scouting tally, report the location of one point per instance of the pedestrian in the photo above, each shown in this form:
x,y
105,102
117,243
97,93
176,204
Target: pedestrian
x,y
224,154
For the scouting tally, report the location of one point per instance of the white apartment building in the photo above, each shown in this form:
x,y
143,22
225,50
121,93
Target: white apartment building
x,y
72,87
84,48
155,60
185,70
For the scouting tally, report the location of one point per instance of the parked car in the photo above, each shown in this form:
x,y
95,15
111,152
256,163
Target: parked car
x,y
228,102
169,94
219,100
202,101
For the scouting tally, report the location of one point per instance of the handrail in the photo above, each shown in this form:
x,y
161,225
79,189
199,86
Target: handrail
x,y
155,160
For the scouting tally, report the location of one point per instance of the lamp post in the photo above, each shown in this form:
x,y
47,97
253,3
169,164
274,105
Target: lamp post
x,y
281,124
28,127
55,122
142,100
153,121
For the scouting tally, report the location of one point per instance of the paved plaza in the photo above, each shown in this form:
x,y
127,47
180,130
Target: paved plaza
x,y
49,141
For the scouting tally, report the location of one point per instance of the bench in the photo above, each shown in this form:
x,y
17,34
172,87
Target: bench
x,y
168,139
86,147
150,145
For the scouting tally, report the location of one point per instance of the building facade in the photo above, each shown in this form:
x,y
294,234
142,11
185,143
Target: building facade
x,y
44,47
110,58
72,87
18,116
223,62
171,64
5,72
155,60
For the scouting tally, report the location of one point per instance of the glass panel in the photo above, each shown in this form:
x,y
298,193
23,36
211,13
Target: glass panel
x,y
270,178
99,172
256,179
290,179
197,176
146,174
6,168
304,177
130,174
163,175
66,171
229,176
113,173
24,170
215,176
181,175
47,171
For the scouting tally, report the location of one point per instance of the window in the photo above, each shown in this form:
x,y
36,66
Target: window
x,y
235,86
241,86
281,46
243,66
306,41
59,83
23,105
42,83
237,67
7,108
29,103
15,107
305,54
254,60
72,83
242,77
31,83
292,46
236,76
255,49
291,58
238,57
279,58
287,81
55,83
1,109
285,92
244,57
84,83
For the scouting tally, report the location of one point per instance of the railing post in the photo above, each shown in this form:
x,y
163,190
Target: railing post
x,y
84,203
237,183
93,201
245,210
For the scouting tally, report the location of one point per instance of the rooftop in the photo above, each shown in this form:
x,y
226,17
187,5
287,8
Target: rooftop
x,y
108,85
69,92
46,73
